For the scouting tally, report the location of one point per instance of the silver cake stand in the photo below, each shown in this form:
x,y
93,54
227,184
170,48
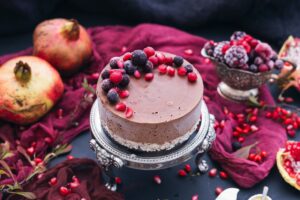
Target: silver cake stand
x,y
111,155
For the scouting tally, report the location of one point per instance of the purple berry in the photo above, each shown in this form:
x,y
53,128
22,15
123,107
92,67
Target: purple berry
x,y
209,48
106,85
148,67
236,56
263,68
125,81
258,60
139,58
270,64
113,96
264,50
105,74
278,64
129,67
237,35
189,68
178,61
113,63
218,54
253,68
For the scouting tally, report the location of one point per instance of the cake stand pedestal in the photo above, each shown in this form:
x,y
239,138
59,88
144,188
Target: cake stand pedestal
x,y
112,155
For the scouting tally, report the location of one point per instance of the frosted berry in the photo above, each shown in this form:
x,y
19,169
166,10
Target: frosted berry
x,y
113,63
129,67
263,68
189,68
139,58
270,64
149,51
149,76
236,56
125,81
278,64
115,77
253,68
218,53
237,35
236,146
192,77
113,96
181,71
264,50
209,48
258,60
106,85
105,74
178,61
148,67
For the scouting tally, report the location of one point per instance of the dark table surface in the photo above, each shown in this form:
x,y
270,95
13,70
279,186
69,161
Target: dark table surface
x,y
139,185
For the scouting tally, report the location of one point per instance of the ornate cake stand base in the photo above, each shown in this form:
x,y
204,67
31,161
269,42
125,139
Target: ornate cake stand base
x,y
236,95
112,155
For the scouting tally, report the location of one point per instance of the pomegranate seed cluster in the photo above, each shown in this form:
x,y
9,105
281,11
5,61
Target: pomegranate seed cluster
x,y
137,64
291,160
67,189
244,52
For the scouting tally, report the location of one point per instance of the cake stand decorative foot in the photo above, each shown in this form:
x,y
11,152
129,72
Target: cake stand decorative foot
x,y
202,166
107,161
236,95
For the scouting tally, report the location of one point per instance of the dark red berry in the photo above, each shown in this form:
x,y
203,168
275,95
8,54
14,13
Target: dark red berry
x,y
123,94
38,161
168,60
223,175
139,58
182,173
149,76
154,60
53,181
125,81
105,74
188,168
115,77
178,61
241,139
120,107
129,67
192,77
113,62
251,156
188,52
149,51
30,150
95,76
74,184
212,172
70,157
263,68
127,56
48,140
263,154
64,191
118,180
257,158
160,57
170,71
162,69
181,71
189,68
128,112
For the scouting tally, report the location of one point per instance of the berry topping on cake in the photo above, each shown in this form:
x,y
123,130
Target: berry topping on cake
x,y
113,96
106,85
105,74
139,58
178,61
113,63
149,51
125,81
181,71
115,77
129,67
189,68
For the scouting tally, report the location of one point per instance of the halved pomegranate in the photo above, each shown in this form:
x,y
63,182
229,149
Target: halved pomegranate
x,y
288,163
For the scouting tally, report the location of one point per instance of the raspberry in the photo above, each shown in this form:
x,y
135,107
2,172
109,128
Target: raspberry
x,y
218,53
237,35
139,58
127,56
178,61
236,56
209,47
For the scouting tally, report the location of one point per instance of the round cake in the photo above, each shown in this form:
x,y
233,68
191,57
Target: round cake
x,y
149,100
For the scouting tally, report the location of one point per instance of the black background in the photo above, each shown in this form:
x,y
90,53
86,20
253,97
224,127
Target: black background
x,y
269,20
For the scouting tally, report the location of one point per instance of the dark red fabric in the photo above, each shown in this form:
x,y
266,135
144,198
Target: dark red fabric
x,y
108,42
87,171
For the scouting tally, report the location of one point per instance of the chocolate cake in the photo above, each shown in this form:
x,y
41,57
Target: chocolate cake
x,y
158,108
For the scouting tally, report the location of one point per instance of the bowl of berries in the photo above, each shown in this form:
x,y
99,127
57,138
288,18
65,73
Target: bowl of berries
x,y
243,64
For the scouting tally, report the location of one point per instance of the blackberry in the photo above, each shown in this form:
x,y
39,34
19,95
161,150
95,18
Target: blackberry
x,y
218,53
113,96
236,56
237,35
236,146
129,67
189,68
106,85
113,63
125,81
139,58
209,48
105,74
178,61
253,68
148,67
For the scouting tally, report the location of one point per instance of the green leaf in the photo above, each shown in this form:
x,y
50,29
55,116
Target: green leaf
x,y
87,86
28,195
5,151
253,101
58,150
244,151
23,152
6,167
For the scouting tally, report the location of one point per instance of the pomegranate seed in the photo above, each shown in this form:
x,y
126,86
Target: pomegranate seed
x,y
212,172
253,119
290,127
70,157
123,94
255,111
263,154
181,71
195,197
162,69
64,191
236,134
188,168
251,156
207,61
48,140
253,128
160,57
149,76
182,173
168,60
218,190
239,129
223,175
120,107
38,161
287,163
127,56
192,77
291,133
30,150
53,181
137,74
59,113
95,76
118,180
157,179
189,52
289,100
74,184
222,124
257,158
123,49
225,110
154,60
288,121
149,51
128,112
295,125
241,139
33,144
40,176
115,77
170,71
120,64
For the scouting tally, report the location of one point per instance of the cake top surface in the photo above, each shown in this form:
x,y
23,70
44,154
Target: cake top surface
x,y
164,98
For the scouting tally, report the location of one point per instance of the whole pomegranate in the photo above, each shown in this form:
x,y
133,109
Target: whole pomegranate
x,y
29,87
63,43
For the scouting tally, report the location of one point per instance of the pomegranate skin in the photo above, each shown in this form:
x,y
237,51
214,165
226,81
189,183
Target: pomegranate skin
x,y
24,102
66,51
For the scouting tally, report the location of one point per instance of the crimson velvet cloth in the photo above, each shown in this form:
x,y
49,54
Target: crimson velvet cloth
x,y
108,42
